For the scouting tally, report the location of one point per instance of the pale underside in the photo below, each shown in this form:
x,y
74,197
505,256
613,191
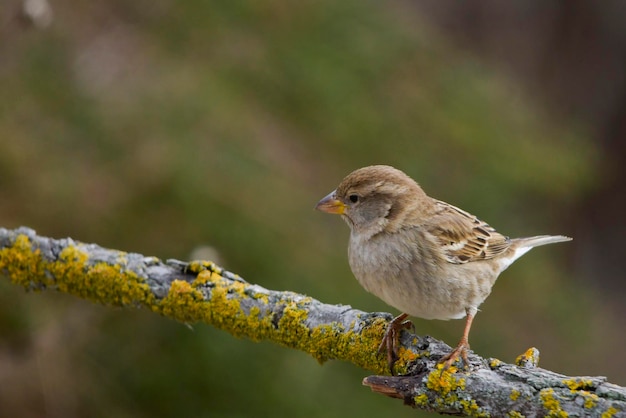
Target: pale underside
x,y
434,272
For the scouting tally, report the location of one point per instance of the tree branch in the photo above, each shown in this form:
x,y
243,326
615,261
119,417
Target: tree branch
x,y
203,292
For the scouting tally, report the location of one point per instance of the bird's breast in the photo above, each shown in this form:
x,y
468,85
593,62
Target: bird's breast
x,y
403,271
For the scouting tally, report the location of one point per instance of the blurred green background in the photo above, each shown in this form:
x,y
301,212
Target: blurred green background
x,y
210,129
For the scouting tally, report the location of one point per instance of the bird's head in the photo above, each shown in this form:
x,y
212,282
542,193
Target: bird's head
x,y
374,199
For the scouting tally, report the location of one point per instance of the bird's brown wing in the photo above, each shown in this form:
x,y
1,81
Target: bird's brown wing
x,y
463,237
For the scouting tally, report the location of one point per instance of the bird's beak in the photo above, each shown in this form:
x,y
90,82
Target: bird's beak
x,y
330,204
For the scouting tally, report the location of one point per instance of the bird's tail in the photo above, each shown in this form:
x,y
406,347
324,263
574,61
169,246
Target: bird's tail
x,y
541,240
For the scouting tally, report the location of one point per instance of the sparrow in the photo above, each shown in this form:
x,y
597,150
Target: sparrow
x,y
420,255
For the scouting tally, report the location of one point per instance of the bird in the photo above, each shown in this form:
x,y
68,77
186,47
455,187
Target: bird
x,y
422,256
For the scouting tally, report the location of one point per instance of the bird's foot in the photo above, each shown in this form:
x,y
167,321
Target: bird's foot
x,y
390,340
460,351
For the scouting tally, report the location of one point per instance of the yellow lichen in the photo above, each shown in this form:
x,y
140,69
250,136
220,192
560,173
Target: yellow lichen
x,y
214,300
448,387
405,358
514,394
72,273
609,413
576,384
530,358
551,404
406,355
515,414
591,399
494,363
99,282
333,341
443,380
210,298
202,279
22,263
421,400
182,303
72,254
198,266
471,408
322,342
579,386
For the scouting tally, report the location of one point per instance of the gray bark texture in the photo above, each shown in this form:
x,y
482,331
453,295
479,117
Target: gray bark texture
x,y
203,292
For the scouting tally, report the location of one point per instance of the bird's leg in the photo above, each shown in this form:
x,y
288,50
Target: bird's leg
x,y
461,349
391,337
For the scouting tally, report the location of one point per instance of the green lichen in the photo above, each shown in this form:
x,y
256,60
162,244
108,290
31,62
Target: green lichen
x,y
551,404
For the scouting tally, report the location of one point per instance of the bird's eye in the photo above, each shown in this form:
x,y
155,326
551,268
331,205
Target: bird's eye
x,y
353,198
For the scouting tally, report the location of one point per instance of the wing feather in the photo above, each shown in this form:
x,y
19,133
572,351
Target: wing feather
x,y
463,237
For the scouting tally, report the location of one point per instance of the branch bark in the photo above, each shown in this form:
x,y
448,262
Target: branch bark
x,y
203,292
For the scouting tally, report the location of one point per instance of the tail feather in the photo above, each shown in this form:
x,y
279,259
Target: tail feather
x,y
541,240
523,245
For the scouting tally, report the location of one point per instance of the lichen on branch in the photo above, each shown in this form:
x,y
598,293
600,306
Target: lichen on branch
x,y
204,292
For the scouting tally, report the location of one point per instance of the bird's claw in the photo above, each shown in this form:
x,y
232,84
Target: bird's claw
x,y
460,351
391,338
